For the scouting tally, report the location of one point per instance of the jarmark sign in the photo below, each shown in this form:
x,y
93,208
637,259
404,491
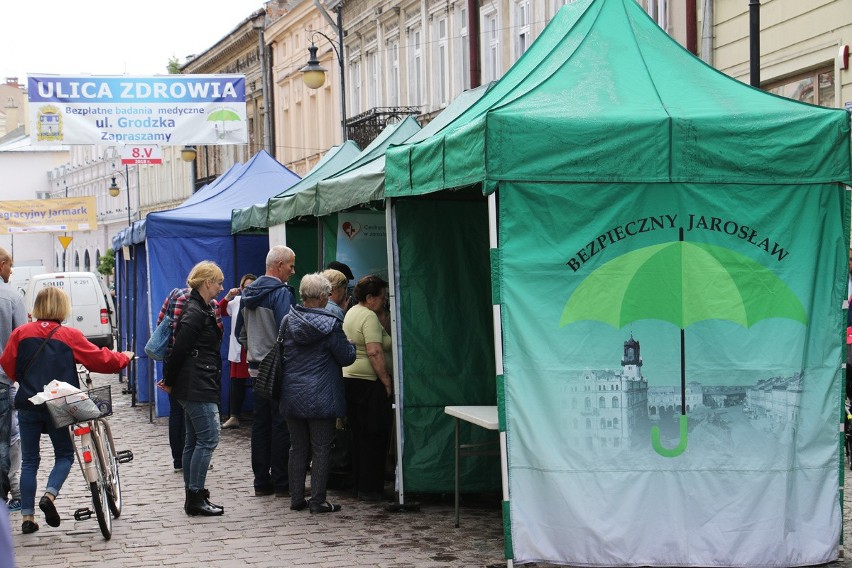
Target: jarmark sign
x,y
138,111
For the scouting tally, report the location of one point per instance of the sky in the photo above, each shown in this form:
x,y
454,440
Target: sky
x,y
100,37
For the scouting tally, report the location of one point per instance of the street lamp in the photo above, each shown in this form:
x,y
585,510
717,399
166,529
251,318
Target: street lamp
x,y
114,190
188,153
313,74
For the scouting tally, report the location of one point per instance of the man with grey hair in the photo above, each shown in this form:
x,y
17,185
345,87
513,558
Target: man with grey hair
x,y
264,304
12,315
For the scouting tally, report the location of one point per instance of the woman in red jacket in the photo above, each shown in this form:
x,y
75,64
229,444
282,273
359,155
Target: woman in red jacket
x,y
36,354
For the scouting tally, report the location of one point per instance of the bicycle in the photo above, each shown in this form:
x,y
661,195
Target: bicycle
x,y
85,418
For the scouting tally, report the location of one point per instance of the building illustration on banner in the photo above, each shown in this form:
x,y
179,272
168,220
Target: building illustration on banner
x,y
611,410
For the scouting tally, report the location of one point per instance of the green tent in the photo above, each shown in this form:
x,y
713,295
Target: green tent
x,y
366,182
653,256
256,217
303,201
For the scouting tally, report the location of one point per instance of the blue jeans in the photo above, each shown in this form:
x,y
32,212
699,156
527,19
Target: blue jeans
x,y
31,423
202,437
5,436
270,446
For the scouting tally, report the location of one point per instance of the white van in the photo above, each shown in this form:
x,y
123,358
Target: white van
x,y
92,309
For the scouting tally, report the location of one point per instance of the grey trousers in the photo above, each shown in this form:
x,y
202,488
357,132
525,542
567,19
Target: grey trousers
x,y
310,440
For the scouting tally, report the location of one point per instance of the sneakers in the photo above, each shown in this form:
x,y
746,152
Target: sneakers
x,y
49,509
325,508
29,527
14,505
232,422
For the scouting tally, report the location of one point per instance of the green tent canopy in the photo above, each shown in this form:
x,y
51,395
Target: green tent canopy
x,y
303,200
366,182
602,95
257,216
641,263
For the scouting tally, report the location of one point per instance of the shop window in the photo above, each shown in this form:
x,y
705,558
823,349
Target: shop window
x,y
814,87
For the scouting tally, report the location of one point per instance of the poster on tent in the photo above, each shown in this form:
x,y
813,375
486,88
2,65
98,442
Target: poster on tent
x,y
120,110
686,349
362,243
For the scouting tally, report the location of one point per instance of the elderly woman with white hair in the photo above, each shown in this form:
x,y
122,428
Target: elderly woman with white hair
x,y
312,392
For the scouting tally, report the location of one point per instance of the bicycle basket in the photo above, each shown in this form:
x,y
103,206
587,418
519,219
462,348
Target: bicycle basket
x,y
80,407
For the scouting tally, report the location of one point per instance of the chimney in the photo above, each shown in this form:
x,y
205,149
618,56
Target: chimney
x,y
12,115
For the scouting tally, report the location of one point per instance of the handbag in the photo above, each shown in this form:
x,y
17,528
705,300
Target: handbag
x,y
267,383
159,340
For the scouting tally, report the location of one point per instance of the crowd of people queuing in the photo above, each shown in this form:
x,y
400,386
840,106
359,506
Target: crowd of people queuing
x,y
338,367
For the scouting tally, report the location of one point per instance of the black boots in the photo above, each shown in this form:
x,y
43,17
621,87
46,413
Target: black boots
x,y
197,504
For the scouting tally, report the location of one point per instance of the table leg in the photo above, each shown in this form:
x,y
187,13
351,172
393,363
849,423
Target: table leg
x,y
457,472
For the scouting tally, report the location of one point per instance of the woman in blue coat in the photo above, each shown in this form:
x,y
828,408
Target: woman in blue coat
x,y
312,393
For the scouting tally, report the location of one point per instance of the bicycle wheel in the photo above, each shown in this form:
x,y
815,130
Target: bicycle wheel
x,y
110,464
99,500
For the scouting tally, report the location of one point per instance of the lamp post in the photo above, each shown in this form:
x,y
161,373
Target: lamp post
x,y
313,74
114,190
188,154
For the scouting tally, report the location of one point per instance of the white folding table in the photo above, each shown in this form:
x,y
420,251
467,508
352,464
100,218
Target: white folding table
x,y
483,416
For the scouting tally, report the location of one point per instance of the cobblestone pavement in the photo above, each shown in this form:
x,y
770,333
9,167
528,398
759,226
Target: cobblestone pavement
x,y
255,531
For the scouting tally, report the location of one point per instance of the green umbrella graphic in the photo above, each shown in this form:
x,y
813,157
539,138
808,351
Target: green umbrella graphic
x,y
223,115
682,283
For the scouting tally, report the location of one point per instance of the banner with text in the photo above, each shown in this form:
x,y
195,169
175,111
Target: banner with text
x,y
48,215
161,110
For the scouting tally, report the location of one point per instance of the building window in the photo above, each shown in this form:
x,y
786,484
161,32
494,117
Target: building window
x,y
588,403
465,48
490,48
442,62
355,85
393,81
557,4
415,82
602,402
522,28
372,63
658,10
815,87
615,402
87,262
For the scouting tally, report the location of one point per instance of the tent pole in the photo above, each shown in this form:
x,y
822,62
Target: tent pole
x,y
320,245
131,334
390,239
493,243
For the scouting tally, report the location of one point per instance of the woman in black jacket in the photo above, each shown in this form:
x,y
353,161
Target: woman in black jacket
x,y
192,373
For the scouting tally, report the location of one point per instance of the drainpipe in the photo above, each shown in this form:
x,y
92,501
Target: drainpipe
x,y
691,27
473,41
264,86
754,42
707,33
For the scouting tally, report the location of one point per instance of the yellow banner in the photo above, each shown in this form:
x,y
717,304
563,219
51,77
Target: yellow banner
x,y
48,215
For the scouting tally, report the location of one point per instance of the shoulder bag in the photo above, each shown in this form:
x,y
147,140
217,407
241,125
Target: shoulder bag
x,y
159,340
267,383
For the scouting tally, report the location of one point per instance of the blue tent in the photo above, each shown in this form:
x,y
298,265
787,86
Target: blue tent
x,y
200,229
